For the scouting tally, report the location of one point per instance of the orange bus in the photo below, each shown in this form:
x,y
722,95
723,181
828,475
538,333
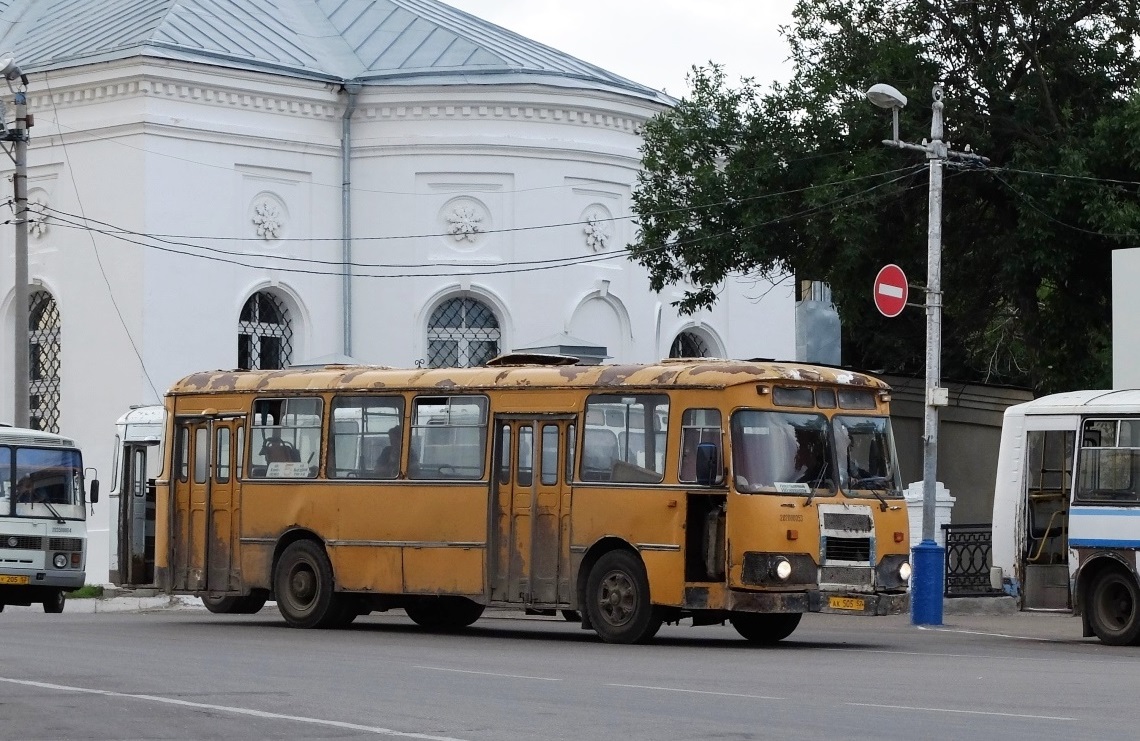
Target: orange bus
x,y
623,495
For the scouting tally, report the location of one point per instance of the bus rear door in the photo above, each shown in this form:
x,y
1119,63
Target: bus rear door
x,y
206,504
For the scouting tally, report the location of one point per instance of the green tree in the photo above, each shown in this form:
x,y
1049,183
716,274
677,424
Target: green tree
x,y
749,180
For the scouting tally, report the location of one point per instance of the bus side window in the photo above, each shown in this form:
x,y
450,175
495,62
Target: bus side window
x,y
697,426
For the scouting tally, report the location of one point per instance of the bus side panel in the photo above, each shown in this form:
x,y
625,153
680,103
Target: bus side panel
x,y
366,568
446,519
443,570
651,520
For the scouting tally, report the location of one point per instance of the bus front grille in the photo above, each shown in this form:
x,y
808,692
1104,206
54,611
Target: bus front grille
x,y
847,549
856,523
65,544
22,542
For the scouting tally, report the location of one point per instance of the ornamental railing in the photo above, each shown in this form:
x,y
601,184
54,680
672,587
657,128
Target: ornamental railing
x,y
968,560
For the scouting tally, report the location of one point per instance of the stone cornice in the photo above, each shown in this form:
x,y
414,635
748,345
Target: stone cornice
x,y
376,104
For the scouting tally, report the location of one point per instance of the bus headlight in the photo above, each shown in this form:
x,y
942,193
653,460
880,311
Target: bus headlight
x,y
905,571
60,561
783,569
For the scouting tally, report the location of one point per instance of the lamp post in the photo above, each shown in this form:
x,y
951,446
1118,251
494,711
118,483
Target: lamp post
x,y
928,556
19,155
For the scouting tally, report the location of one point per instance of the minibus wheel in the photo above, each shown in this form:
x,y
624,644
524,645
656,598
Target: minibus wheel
x,y
55,601
221,605
303,585
771,628
617,600
1114,608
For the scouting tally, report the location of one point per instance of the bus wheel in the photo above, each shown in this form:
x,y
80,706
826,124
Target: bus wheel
x,y
303,584
221,605
617,600
54,603
251,604
1114,608
765,628
443,613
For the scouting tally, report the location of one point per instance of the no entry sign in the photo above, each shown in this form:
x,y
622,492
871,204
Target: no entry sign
x,y
890,290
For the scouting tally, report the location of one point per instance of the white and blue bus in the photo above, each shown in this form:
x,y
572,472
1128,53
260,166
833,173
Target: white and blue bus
x,y
43,518
1066,522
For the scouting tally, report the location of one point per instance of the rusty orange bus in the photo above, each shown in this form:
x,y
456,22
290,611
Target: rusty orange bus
x,y
626,496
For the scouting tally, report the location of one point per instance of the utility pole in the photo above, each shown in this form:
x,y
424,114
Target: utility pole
x,y
928,556
19,154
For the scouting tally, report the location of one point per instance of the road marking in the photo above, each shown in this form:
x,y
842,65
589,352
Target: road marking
x,y
228,709
981,633
488,674
953,710
694,692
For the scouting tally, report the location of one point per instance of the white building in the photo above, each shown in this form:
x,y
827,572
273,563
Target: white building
x,y
201,173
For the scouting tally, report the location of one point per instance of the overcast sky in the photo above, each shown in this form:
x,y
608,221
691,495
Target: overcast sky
x,y
654,42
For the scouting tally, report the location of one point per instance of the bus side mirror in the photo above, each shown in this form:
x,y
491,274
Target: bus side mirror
x,y
708,464
94,490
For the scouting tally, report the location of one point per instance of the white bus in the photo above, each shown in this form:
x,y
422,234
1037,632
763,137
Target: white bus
x,y
43,527
137,462
1066,522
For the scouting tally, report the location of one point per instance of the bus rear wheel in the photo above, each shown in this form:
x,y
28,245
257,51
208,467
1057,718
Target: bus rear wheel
x,y
765,629
303,585
617,600
444,614
1114,608
55,601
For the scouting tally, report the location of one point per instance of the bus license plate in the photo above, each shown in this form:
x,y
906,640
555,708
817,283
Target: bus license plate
x,y
845,603
8,579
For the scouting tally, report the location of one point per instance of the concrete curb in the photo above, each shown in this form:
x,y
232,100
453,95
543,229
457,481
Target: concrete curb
x,y
979,606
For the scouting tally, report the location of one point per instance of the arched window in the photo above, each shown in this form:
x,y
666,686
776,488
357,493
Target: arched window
x,y
689,345
265,333
462,332
43,362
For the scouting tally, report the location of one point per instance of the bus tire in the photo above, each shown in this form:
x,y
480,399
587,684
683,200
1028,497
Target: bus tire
x,y
303,585
444,614
251,604
55,601
617,600
221,605
765,629
1114,608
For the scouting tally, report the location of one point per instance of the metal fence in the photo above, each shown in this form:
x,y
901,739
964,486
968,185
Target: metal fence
x,y
968,560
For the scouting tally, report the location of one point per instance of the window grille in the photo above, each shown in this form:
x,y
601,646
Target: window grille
x,y
462,332
265,333
689,345
43,362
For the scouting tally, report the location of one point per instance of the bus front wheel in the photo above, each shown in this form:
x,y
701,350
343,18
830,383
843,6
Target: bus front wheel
x,y
445,614
303,585
617,600
55,601
1114,608
771,628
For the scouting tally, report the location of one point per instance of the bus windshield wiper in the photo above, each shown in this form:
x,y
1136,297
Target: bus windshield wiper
x,y
54,511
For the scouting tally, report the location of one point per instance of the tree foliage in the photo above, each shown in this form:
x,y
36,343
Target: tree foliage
x,y
751,180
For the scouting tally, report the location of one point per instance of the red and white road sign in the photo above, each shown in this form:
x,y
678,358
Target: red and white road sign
x,y
890,290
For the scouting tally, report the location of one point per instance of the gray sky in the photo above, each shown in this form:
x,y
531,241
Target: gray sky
x,y
654,42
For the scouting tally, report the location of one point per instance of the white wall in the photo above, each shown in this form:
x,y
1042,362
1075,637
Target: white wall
x,y
1125,319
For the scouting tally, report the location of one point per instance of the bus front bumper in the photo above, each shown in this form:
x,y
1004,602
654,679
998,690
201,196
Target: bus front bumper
x,y
839,603
26,586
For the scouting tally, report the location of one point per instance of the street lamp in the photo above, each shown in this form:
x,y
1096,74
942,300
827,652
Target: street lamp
x,y
928,557
10,71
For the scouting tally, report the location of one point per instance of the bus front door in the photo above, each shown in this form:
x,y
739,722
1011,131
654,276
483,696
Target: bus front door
x,y
206,523
530,551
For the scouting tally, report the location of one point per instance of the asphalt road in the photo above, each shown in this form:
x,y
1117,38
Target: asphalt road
x,y
188,674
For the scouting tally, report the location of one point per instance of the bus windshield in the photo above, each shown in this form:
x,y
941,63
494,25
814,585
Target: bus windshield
x,y
867,461
41,483
786,452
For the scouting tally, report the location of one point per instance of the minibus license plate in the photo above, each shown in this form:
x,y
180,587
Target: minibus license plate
x,y
8,579
845,603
